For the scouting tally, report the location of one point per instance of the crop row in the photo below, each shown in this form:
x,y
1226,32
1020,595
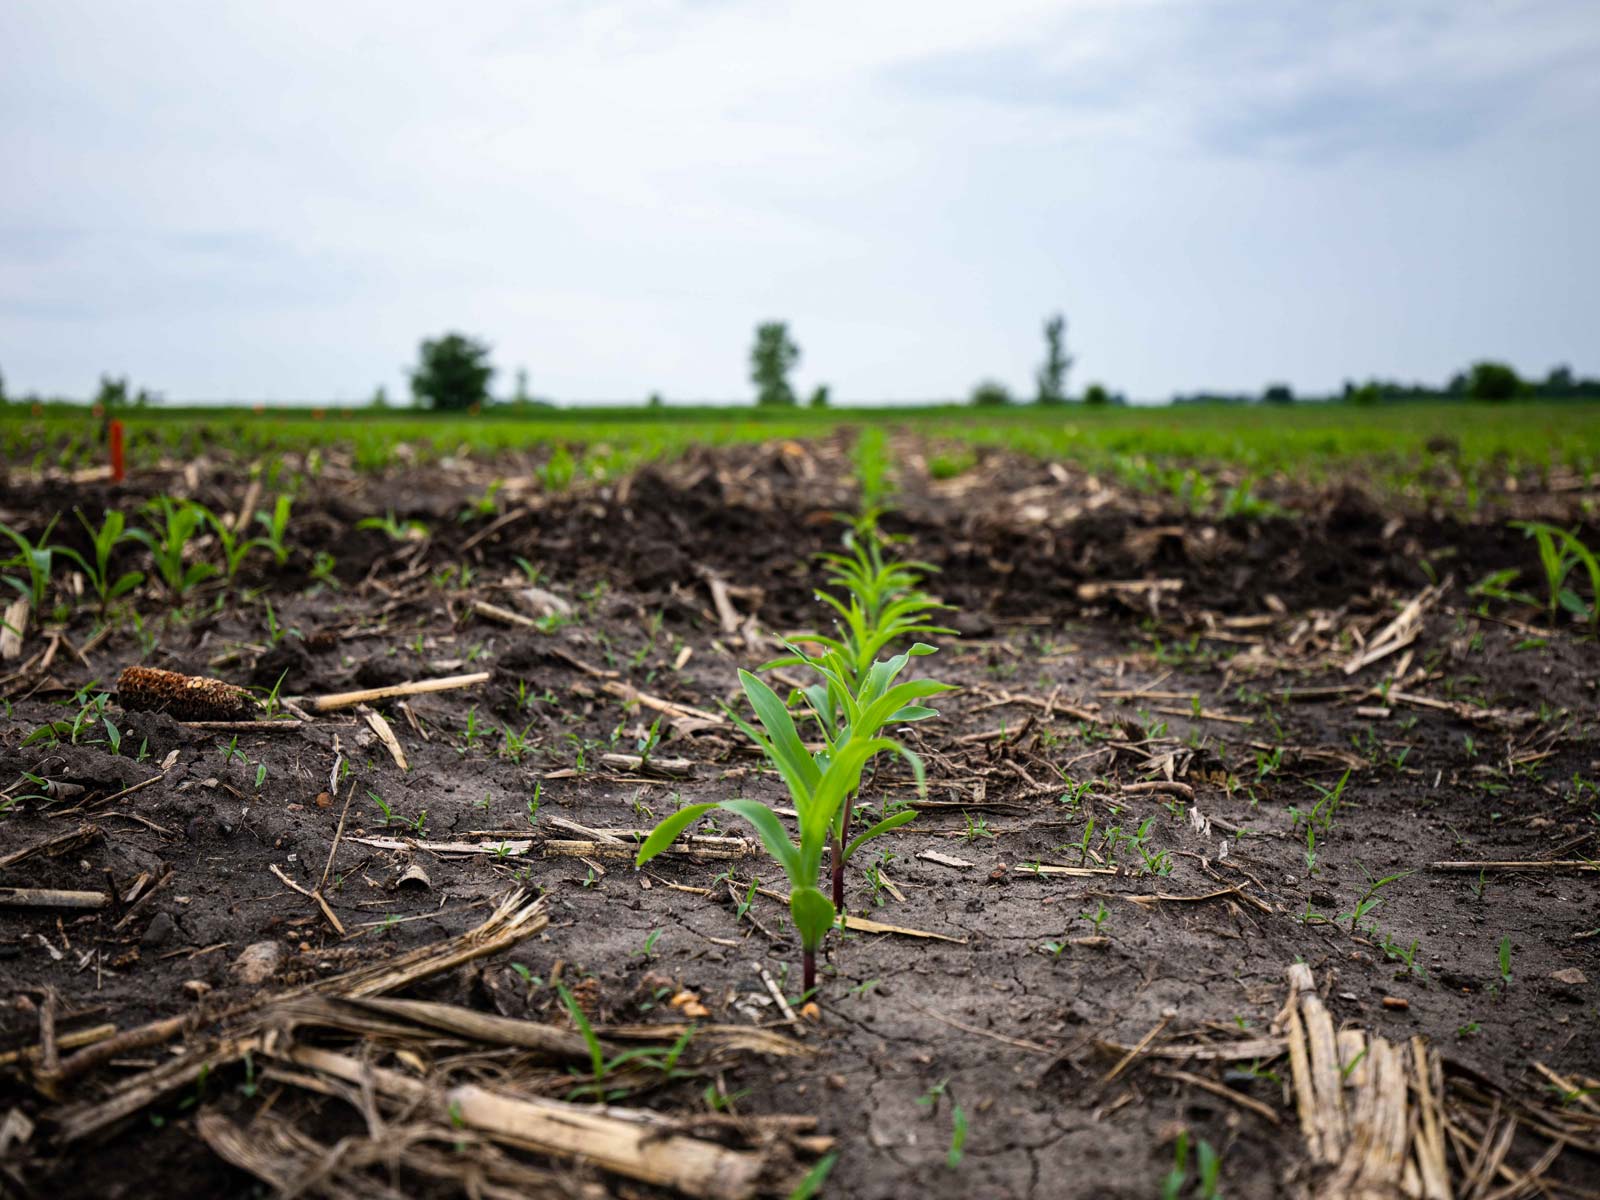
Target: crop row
x,y
1397,442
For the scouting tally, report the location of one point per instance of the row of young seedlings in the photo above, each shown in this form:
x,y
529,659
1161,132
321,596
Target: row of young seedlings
x,y
857,696
174,525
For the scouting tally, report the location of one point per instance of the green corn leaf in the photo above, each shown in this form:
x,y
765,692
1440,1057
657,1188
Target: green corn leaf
x,y
892,701
788,660
772,833
125,583
841,778
878,830
664,834
788,751
761,818
813,915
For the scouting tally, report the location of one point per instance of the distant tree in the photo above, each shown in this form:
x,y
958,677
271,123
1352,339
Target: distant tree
x,y
1366,393
380,398
1278,393
111,399
1558,383
1096,393
1494,382
991,394
520,396
2,389
771,359
820,397
113,392
1052,375
655,401
452,374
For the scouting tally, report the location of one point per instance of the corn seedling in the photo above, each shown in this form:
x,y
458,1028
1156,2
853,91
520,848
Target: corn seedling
x,y
556,474
819,784
235,549
810,1186
36,559
322,567
112,533
1405,955
1369,899
277,525
838,707
514,745
1208,1168
486,505
882,603
870,456
179,522
601,1067
1559,553
395,531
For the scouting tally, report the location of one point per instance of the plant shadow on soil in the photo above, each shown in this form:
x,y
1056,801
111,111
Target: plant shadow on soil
x,y
1068,696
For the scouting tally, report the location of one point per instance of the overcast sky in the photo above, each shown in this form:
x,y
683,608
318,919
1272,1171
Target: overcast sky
x,y
277,200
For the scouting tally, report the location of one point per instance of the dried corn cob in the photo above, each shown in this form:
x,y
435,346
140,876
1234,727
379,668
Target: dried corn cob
x,y
185,697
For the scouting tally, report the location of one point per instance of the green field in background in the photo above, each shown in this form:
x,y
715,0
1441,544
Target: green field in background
x,y
1259,438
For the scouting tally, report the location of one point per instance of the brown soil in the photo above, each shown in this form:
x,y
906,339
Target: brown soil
x,y
1485,752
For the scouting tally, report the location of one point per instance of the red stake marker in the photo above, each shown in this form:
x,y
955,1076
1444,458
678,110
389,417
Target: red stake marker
x,y
117,470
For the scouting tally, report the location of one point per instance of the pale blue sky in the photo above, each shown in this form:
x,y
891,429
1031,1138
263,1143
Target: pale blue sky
x,y
276,201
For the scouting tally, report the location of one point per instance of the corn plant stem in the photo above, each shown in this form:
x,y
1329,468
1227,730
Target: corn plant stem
x,y
838,853
808,971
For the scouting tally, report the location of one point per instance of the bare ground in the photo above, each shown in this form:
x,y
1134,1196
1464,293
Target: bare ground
x,y
1223,686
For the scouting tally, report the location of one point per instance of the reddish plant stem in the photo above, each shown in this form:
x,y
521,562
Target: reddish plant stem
x,y
808,970
838,854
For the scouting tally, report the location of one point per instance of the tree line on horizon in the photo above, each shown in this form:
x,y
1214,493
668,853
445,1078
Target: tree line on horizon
x,y
454,371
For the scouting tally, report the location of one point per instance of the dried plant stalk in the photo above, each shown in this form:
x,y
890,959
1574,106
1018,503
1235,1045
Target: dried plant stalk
x,y
185,697
629,1142
514,919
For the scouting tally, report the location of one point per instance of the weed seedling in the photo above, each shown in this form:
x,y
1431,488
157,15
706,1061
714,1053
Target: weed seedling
x,y
1096,918
977,827
647,951
1208,1170
958,1136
